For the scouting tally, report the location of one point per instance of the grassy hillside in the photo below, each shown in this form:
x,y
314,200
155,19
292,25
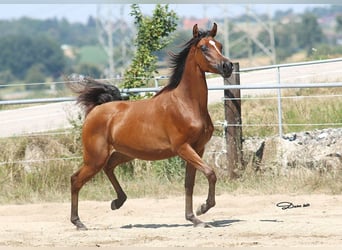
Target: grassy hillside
x,y
92,55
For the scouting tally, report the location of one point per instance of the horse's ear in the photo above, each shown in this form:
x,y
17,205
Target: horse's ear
x,y
213,30
195,31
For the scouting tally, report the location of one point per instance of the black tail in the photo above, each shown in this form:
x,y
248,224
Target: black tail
x,y
92,93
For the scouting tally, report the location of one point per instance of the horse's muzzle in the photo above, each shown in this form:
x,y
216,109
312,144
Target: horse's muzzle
x,y
226,68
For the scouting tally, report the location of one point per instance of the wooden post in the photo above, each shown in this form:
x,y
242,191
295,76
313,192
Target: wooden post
x,y
233,130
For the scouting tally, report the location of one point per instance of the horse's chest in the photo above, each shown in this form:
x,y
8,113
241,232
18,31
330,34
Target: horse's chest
x,y
201,129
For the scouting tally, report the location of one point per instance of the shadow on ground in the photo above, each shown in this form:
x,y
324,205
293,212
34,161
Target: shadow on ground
x,y
218,223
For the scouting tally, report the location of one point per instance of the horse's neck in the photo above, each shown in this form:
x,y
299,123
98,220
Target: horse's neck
x,y
193,86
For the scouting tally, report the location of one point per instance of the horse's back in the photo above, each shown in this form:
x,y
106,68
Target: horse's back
x,y
134,128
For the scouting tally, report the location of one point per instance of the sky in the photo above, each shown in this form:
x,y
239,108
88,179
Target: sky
x,y
81,12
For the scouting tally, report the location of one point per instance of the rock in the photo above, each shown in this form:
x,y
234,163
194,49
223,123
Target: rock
x,y
317,150
322,135
39,149
215,155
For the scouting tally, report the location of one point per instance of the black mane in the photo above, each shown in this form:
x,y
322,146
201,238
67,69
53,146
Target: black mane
x,y
177,61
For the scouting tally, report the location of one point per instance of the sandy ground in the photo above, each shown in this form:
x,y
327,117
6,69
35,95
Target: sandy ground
x,y
237,220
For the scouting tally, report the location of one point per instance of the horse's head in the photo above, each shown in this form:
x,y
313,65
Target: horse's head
x,y
208,53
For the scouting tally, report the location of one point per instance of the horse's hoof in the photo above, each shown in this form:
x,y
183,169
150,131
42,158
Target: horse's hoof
x,y
200,210
117,203
203,225
82,228
79,225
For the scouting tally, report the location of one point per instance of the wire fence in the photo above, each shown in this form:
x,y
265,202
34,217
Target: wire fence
x,y
278,86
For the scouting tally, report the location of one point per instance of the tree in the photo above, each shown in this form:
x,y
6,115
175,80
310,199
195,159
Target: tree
x,y
286,40
280,14
19,53
89,70
309,32
35,74
61,31
6,77
153,35
115,37
339,23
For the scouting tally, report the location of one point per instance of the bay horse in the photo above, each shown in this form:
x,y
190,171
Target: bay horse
x,y
174,122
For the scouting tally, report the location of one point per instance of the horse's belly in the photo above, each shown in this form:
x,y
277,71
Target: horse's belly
x,y
146,153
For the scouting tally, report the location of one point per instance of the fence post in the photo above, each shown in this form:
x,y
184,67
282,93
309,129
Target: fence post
x,y
280,111
233,129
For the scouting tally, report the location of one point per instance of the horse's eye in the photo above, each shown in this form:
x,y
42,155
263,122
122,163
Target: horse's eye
x,y
204,48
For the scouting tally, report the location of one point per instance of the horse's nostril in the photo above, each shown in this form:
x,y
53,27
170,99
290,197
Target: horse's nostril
x,y
227,66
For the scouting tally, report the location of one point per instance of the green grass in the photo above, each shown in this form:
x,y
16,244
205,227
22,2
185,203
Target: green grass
x,y
302,112
50,181
93,55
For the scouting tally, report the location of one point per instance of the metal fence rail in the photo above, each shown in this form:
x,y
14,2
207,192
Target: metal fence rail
x,y
255,86
286,65
155,89
37,100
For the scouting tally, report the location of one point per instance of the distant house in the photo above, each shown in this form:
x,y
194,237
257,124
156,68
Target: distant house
x,y
68,51
188,23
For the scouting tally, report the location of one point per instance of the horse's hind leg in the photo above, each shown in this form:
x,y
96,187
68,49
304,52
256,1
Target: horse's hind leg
x,y
78,179
115,159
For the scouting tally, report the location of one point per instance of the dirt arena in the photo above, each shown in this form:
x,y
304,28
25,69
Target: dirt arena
x,y
237,220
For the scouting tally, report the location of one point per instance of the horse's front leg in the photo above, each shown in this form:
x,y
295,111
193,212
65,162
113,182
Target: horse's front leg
x,y
211,176
190,174
195,162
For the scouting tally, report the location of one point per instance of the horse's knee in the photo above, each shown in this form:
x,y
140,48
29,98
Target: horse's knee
x,y
73,181
211,176
83,175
